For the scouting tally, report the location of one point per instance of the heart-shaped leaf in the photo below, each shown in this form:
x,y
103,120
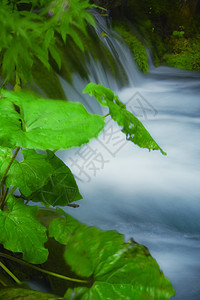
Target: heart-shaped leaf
x,y
61,188
115,270
30,174
35,123
132,127
43,178
21,232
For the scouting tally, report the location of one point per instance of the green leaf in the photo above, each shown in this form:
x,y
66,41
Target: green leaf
x,y
61,188
61,228
21,232
115,270
132,127
26,35
20,40
5,158
56,56
77,39
45,124
9,124
30,174
49,36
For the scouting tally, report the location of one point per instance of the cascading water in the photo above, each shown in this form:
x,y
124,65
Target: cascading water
x,y
126,70
147,196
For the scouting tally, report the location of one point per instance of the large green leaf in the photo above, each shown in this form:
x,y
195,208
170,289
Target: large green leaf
x,y
61,188
30,174
115,270
21,232
43,178
61,228
5,158
35,123
132,127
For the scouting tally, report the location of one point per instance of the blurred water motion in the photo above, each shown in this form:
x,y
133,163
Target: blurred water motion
x,y
148,196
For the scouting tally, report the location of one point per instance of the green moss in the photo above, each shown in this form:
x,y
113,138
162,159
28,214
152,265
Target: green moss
x,y
137,48
174,39
183,53
182,61
47,81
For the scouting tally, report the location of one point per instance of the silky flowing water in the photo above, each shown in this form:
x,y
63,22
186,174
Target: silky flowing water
x,y
145,195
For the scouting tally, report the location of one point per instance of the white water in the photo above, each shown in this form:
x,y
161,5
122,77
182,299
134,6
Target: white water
x,y
148,196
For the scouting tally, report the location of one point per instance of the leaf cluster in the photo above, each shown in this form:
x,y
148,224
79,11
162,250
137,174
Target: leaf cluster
x,y
111,267
104,266
27,121
29,34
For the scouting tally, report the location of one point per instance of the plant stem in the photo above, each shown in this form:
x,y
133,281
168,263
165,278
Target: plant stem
x,y
4,176
3,283
42,270
9,165
10,192
4,196
107,115
10,273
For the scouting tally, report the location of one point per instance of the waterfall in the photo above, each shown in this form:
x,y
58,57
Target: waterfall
x,y
153,198
126,69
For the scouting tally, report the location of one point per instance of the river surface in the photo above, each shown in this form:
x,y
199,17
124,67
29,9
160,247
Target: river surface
x,y
146,195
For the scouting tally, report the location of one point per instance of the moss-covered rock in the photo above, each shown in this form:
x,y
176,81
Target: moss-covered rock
x,y
47,81
173,37
183,53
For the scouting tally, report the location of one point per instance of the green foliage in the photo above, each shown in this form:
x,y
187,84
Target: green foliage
x,y
61,228
60,187
137,48
5,157
103,265
165,27
30,174
25,294
114,269
178,33
132,127
47,80
21,232
32,126
183,53
26,35
20,31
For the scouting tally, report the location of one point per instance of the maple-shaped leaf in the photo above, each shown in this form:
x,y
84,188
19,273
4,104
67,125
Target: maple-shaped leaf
x,y
61,188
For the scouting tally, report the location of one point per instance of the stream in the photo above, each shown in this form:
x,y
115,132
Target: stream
x,y
145,195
